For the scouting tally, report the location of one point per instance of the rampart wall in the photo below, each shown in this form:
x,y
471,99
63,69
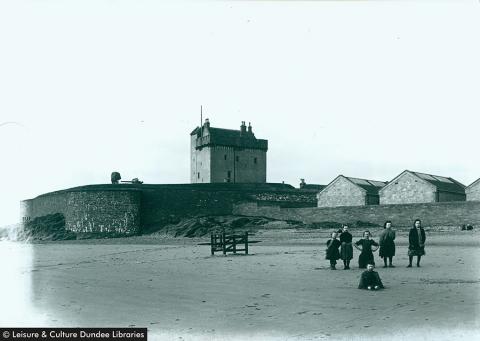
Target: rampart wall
x,y
89,211
130,208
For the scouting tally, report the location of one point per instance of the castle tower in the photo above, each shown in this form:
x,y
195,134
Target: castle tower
x,y
226,155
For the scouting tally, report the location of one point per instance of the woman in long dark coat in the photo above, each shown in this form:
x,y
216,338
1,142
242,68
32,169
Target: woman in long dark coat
x,y
346,250
416,242
366,255
332,252
387,244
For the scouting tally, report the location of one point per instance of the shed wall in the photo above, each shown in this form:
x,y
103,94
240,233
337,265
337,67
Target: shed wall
x,y
341,192
473,192
407,188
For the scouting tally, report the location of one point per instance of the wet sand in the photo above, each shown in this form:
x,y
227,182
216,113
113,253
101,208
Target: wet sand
x,y
283,290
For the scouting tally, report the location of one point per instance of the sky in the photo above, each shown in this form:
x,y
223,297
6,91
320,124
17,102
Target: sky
x,y
361,88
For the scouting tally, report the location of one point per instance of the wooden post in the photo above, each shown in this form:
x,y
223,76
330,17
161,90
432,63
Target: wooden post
x,y
246,243
224,248
234,244
213,241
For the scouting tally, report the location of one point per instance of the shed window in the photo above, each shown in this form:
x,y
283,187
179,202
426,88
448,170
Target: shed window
x,y
225,156
255,160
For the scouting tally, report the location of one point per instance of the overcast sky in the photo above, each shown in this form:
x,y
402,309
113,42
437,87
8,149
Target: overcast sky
x,y
360,88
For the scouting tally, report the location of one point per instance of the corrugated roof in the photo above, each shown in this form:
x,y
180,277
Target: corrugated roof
x,y
371,186
443,184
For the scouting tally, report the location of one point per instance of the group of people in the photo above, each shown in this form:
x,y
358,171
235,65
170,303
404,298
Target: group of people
x,y
341,247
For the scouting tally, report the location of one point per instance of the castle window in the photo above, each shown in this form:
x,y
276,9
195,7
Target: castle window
x,y
237,158
225,156
198,175
229,174
255,160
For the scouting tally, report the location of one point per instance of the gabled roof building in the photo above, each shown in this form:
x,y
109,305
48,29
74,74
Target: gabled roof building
x,y
473,191
414,187
347,191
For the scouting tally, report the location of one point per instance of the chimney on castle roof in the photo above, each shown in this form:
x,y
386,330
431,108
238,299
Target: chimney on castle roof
x,y
302,183
205,126
207,123
250,128
243,128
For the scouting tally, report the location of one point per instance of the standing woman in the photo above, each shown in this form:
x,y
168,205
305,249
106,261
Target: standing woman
x,y
346,250
416,242
332,252
366,255
387,244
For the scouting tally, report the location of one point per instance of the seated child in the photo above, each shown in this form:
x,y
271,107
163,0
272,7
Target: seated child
x,y
370,279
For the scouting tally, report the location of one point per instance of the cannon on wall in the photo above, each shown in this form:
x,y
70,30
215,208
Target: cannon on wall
x,y
115,177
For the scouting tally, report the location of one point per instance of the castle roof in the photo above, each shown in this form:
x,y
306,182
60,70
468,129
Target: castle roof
x,y
209,136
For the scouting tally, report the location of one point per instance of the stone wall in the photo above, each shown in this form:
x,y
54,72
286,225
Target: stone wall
x,y
103,212
90,211
473,191
307,197
130,208
167,205
42,205
200,163
341,192
431,214
246,165
407,188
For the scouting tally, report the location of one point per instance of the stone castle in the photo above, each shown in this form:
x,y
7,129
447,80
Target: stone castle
x,y
225,155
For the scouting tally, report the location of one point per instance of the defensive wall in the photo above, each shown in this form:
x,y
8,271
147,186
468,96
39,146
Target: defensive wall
x,y
135,208
432,214
89,210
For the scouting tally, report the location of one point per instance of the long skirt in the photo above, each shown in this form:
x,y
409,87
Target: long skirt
x,y
387,249
332,254
364,259
346,251
416,251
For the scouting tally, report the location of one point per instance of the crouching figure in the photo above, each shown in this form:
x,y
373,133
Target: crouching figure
x,y
370,279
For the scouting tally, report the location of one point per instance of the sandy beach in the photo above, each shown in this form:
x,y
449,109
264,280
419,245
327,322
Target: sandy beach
x,y
282,290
